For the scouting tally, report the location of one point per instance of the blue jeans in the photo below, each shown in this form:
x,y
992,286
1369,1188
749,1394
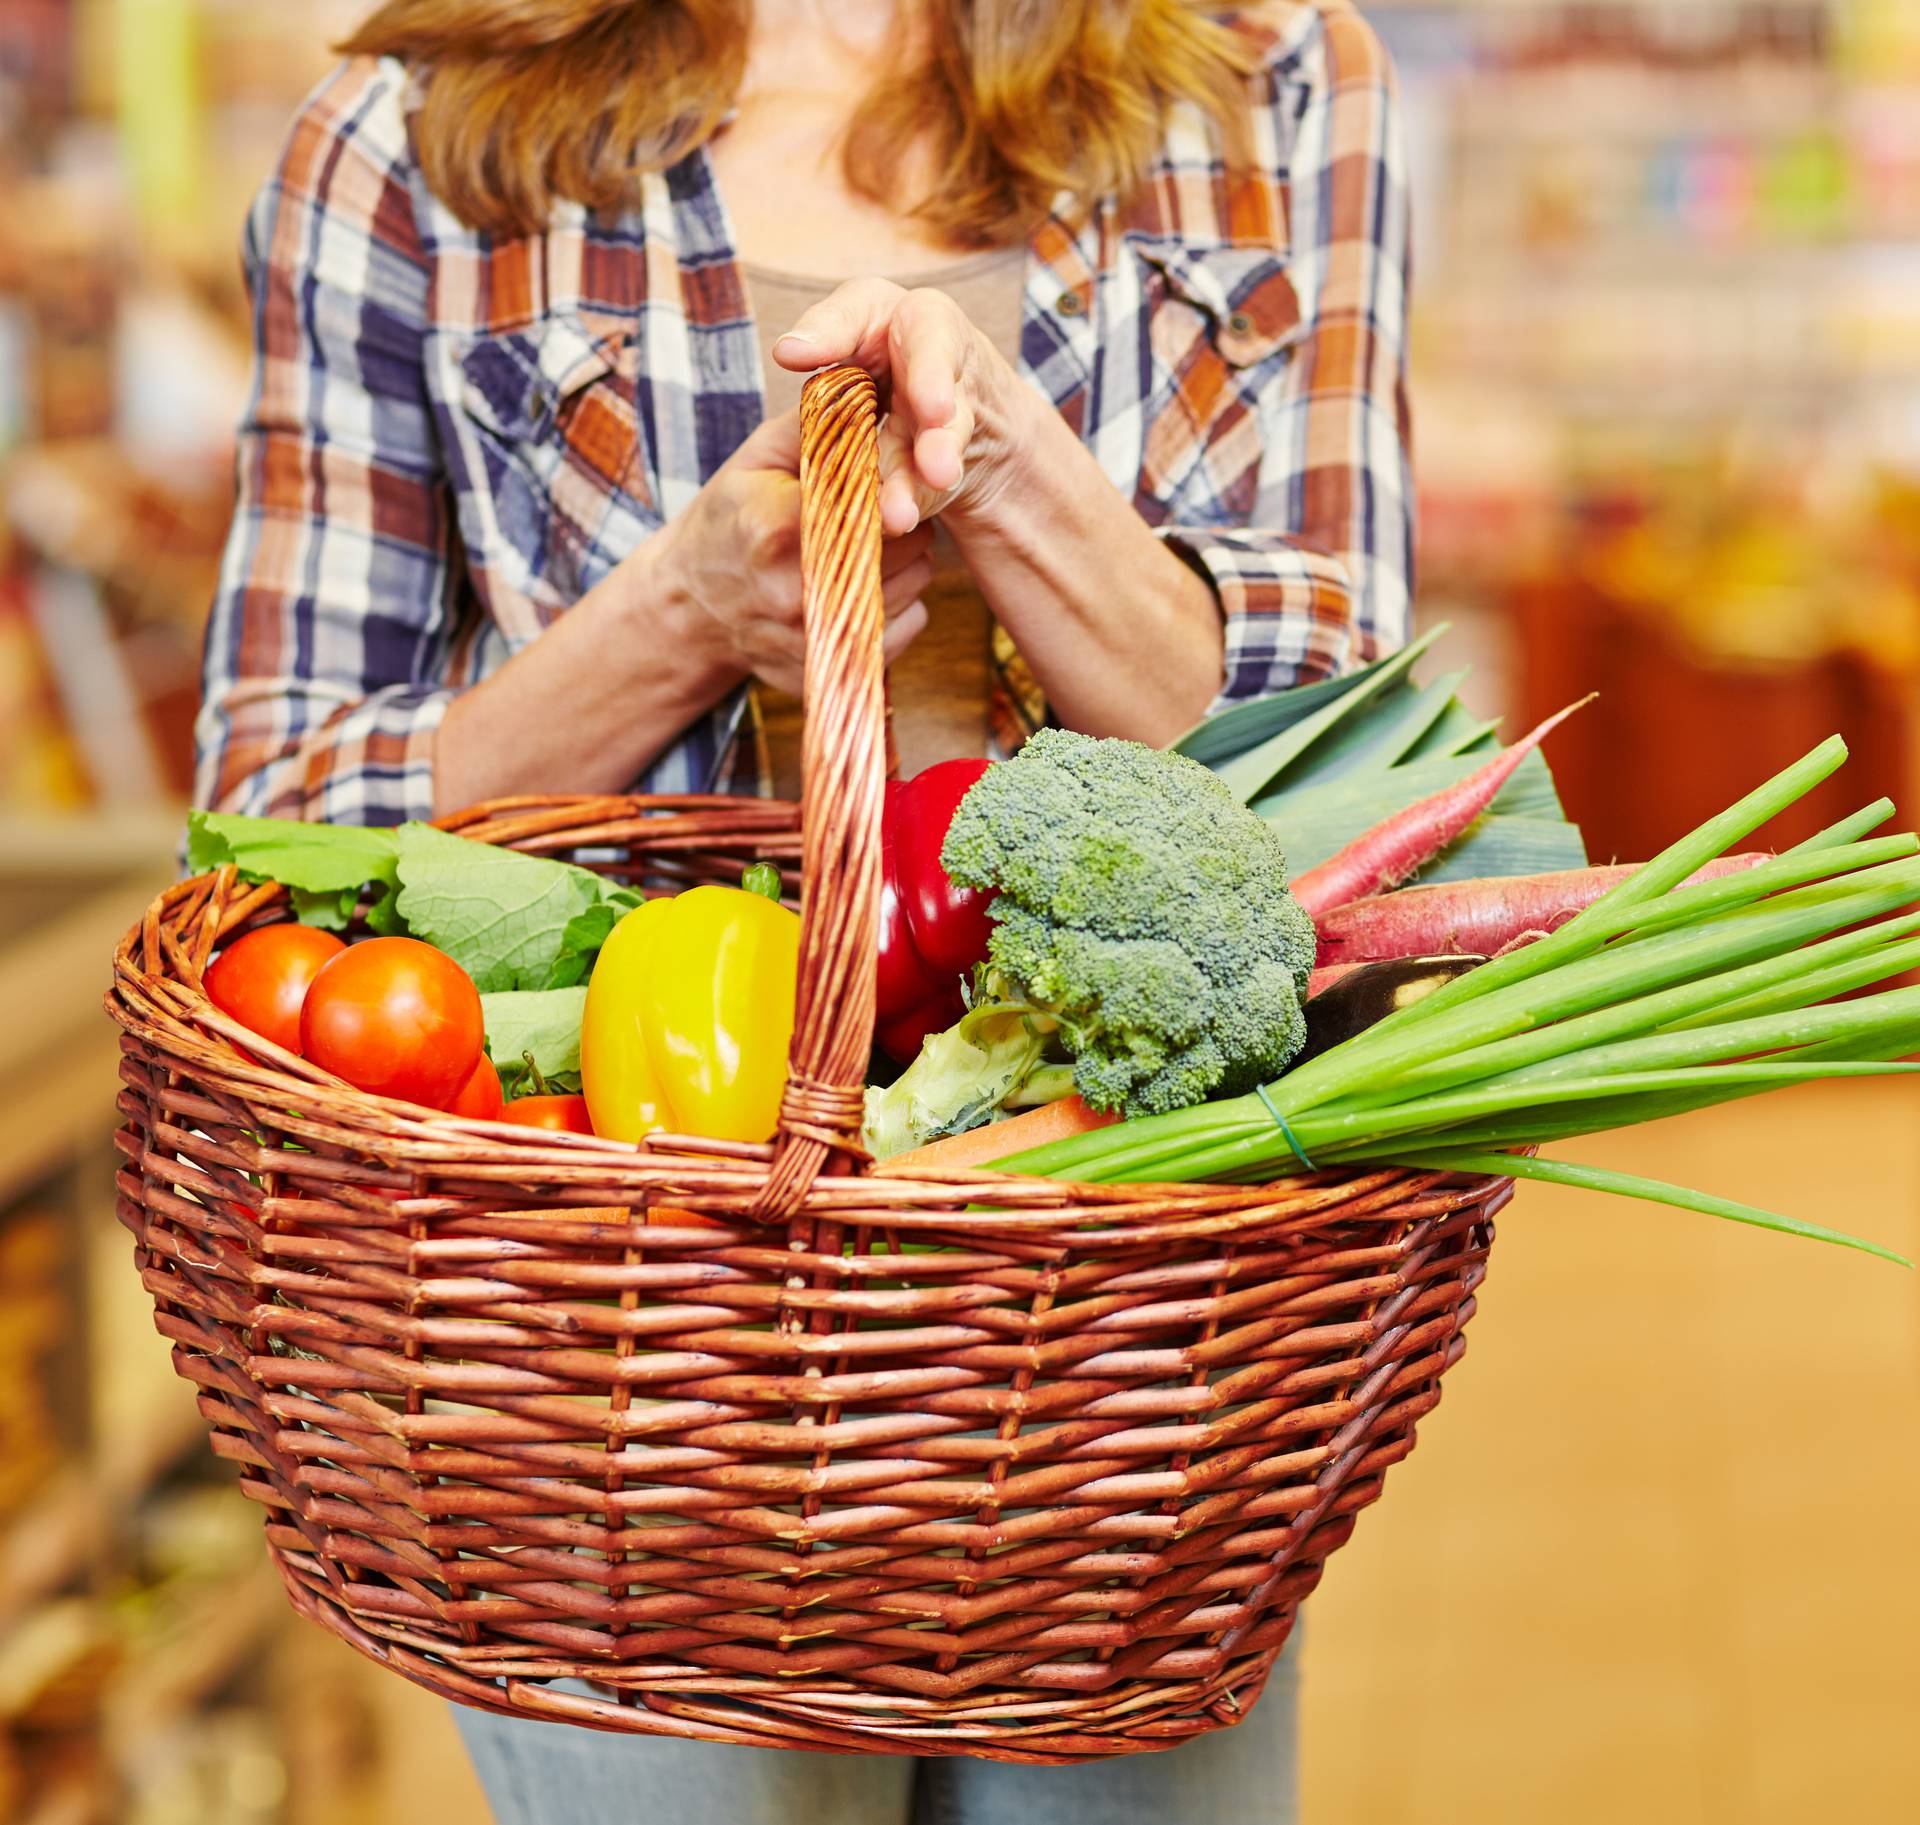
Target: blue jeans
x,y
558,1774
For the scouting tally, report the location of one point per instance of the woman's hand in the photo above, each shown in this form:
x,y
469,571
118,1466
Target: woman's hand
x,y
1124,635
728,569
950,439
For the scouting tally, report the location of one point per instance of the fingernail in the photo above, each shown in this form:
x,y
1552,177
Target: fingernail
x,y
793,336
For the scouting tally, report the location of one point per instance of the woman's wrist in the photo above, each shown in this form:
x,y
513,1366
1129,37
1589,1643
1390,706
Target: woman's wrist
x,y
1124,635
661,620
595,700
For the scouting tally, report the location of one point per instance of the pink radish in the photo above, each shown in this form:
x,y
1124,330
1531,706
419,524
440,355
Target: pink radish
x,y
1399,845
1473,918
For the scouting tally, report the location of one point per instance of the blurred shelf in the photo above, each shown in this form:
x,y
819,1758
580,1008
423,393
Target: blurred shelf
x,y
1585,105
207,1647
76,1801
57,1049
61,1102
1534,8
100,844
53,1540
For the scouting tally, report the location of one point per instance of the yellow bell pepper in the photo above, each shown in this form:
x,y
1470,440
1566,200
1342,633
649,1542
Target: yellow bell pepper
x,y
690,1012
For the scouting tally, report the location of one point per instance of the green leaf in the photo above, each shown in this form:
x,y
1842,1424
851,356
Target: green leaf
x,y
316,859
383,915
1250,773
502,916
330,911
1376,738
1242,726
1507,846
1654,1191
545,1022
1457,731
1316,821
585,932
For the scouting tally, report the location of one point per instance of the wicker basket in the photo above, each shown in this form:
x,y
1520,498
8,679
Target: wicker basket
x,y
864,1460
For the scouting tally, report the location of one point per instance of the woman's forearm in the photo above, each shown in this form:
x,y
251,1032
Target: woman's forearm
x,y
1122,634
589,704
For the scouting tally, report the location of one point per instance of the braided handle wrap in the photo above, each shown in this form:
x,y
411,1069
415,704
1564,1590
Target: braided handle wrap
x,y
843,774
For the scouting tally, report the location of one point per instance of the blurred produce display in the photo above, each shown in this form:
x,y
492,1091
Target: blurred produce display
x,y
1667,369
150,1672
132,135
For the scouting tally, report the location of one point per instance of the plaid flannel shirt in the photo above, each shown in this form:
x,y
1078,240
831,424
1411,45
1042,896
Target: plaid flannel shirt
x,y
452,437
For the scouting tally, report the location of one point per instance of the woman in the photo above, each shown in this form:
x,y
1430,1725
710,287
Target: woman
x,y
518,507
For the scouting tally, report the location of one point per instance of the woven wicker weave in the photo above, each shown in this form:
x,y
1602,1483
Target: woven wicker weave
x,y
844,1459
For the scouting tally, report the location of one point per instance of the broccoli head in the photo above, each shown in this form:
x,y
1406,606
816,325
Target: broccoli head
x,y
1142,905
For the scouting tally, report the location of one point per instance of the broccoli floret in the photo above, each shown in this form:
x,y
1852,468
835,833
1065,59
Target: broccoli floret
x,y
1146,908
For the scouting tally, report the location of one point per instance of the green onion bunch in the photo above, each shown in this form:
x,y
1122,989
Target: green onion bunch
x,y
1658,999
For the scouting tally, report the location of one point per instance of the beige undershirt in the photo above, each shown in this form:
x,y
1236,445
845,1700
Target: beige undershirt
x,y
939,687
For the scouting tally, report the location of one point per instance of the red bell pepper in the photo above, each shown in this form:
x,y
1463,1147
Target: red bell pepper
x,y
932,933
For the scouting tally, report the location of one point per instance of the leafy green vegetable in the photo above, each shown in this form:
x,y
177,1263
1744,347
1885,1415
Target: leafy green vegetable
x,y
543,1022
1251,772
511,921
502,916
1245,725
324,867
329,911
585,932
1375,737
1323,764
1525,826
960,1078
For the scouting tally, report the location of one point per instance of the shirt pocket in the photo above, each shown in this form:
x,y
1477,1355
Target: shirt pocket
x,y
1220,328
558,486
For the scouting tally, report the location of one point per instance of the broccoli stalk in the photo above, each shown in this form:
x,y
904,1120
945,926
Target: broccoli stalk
x,y
1144,933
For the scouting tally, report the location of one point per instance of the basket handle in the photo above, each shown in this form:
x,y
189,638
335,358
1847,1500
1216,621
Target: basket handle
x,y
843,775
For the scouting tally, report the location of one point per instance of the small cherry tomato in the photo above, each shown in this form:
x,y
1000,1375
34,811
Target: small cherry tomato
x,y
479,1097
562,1114
261,979
395,1017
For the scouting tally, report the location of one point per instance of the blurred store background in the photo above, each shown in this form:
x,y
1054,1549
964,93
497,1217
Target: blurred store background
x,y
1655,1560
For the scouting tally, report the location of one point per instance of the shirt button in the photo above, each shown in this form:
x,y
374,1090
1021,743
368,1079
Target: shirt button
x,y
1072,304
1240,323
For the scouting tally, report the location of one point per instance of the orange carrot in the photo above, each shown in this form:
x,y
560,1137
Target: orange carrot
x,y
980,1147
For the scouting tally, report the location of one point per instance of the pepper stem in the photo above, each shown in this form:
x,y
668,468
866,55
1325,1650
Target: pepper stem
x,y
533,1075
762,878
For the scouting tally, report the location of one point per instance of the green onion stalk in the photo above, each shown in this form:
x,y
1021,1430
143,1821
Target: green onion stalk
x,y
1658,999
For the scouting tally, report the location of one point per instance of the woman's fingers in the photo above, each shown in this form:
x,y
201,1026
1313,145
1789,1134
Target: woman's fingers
x,y
849,325
927,344
903,630
774,443
921,345
897,554
906,585
899,503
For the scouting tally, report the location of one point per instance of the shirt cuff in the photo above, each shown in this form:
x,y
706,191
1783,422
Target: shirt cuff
x,y
1288,613
369,763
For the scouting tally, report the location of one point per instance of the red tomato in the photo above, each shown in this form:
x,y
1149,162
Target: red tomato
x,y
479,1097
563,1114
261,979
396,1017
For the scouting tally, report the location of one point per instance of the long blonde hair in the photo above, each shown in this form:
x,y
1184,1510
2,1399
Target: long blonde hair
x,y
527,101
